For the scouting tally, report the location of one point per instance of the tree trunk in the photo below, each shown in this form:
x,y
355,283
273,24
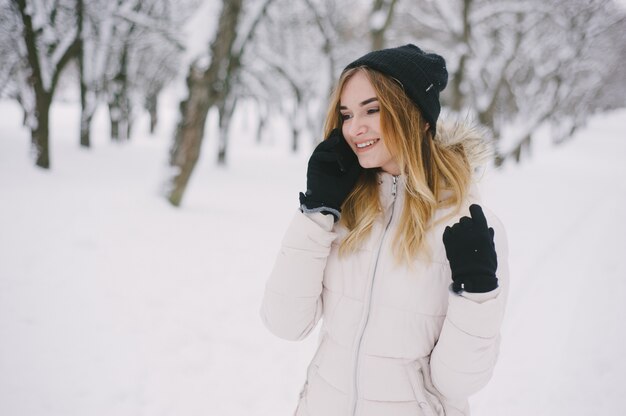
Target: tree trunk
x,y
88,105
43,99
226,109
85,126
378,29
152,102
294,139
524,144
457,100
263,116
40,134
119,113
188,137
43,92
85,119
119,103
114,116
206,89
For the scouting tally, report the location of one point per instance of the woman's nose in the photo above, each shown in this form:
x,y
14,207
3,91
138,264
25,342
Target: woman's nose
x,y
357,127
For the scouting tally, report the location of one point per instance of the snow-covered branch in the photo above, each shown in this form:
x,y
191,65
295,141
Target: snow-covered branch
x,y
256,18
153,25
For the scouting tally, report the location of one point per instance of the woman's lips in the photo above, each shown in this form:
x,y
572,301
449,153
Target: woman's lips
x,y
365,145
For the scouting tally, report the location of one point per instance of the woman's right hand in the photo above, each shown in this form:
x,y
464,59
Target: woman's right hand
x,y
332,173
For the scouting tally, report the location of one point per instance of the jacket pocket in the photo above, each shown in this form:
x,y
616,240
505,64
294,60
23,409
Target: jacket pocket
x,y
301,409
428,403
313,367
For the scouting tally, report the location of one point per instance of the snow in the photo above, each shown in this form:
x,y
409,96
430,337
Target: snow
x,y
199,31
378,19
112,302
562,350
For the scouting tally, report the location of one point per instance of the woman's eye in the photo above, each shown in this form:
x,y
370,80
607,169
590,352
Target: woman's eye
x,y
373,110
345,117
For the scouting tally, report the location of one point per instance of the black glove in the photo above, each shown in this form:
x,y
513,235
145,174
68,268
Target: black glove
x,y
332,173
472,253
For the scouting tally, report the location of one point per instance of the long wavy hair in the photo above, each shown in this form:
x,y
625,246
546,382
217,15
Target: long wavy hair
x,y
430,167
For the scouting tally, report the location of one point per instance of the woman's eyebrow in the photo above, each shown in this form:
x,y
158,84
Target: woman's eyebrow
x,y
364,102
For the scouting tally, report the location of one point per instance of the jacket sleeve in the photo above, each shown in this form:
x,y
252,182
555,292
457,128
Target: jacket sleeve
x,y
292,303
465,355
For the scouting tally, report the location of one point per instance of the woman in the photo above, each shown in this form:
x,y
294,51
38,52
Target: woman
x,y
392,250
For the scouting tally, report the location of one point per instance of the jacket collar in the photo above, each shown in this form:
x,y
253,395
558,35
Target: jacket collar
x,y
386,188
385,182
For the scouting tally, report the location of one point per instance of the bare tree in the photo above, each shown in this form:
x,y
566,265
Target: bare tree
x,y
297,55
288,64
49,40
211,86
381,18
206,87
96,23
11,62
130,51
517,66
560,83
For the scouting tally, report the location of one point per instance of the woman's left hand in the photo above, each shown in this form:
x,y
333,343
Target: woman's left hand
x,y
471,252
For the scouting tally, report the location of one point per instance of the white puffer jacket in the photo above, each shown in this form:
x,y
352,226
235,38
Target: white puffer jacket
x,y
395,340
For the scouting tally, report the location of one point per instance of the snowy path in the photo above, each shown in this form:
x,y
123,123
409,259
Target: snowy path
x,y
563,340
113,303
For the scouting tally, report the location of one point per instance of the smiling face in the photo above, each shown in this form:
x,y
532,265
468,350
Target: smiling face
x,y
360,112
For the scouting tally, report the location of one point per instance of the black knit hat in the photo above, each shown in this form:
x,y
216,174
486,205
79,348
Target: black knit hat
x,y
422,75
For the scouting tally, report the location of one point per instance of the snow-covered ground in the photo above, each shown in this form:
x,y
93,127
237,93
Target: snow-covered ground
x,y
114,303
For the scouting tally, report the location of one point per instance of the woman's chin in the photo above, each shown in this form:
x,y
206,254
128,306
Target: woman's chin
x,y
365,164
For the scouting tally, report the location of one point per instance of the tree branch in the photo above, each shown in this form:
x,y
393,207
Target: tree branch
x,y
30,38
147,22
246,40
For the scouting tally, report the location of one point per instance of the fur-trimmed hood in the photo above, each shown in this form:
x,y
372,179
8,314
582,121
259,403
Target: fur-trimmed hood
x,y
478,149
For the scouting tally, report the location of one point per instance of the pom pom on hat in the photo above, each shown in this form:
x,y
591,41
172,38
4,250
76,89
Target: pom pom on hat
x,y
422,75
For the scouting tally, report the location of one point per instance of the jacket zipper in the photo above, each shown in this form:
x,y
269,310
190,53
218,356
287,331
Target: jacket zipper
x,y
355,399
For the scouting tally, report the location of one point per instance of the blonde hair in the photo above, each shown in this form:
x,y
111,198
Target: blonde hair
x,y
429,166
